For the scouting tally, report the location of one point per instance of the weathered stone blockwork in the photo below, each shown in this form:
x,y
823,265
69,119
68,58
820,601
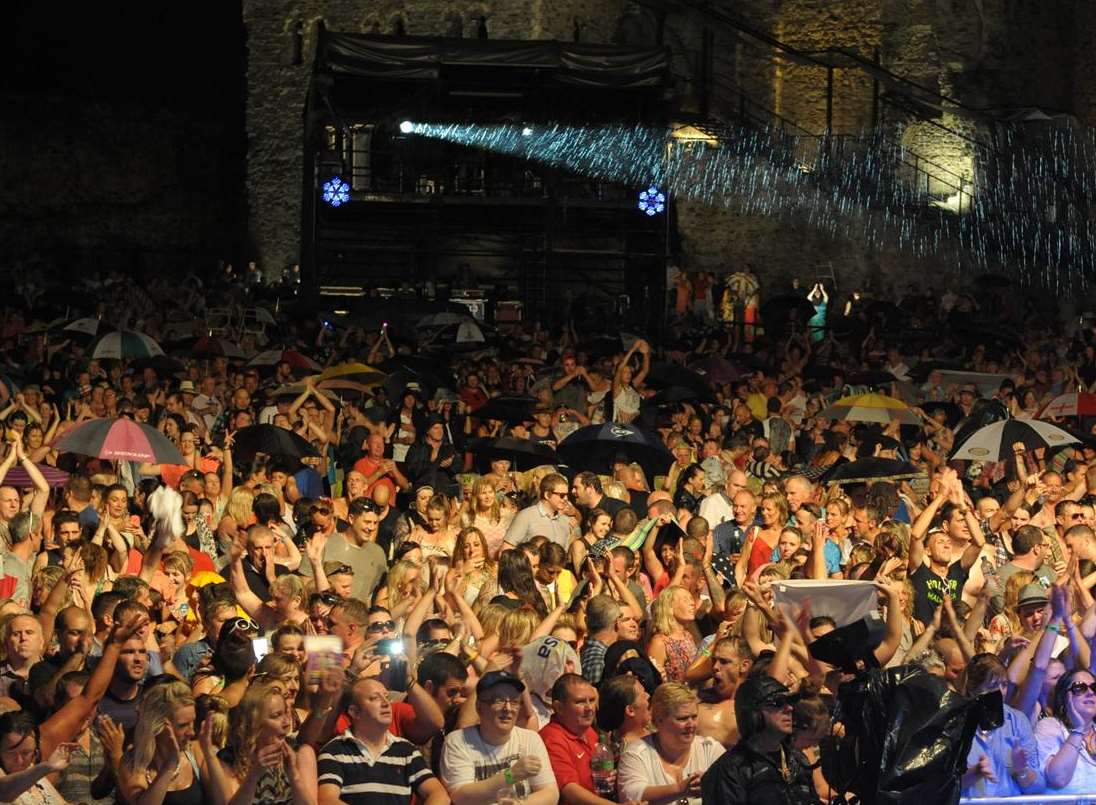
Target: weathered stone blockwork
x,y
990,53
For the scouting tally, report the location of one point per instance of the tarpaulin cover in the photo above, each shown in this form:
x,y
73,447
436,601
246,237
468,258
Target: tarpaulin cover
x,y
423,58
907,735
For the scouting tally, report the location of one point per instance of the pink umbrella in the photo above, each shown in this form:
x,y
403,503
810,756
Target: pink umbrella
x,y
120,440
18,477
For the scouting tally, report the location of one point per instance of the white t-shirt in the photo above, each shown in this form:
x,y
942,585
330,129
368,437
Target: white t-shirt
x,y
641,767
467,758
716,509
1050,734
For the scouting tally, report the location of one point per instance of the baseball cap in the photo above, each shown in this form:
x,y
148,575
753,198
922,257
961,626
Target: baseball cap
x,y
494,678
1031,594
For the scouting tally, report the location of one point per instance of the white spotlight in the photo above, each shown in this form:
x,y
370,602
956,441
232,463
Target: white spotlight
x,y
407,127
526,132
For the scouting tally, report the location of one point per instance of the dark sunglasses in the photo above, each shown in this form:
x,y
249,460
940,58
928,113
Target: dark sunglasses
x,y
324,598
1077,688
380,626
347,569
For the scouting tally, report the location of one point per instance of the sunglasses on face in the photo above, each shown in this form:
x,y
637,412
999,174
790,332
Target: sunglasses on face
x,y
347,569
380,626
1077,688
324,598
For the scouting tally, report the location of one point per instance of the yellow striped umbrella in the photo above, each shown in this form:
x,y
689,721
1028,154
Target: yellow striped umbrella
x,y
356,372
871,408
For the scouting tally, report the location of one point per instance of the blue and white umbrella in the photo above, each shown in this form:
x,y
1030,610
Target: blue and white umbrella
x,y
123,344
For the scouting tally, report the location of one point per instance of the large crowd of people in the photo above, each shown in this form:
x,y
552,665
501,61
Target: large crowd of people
x,y
412,595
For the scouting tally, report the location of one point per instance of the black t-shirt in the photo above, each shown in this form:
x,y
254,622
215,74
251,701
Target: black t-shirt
x,y
929,589
607,504
386,529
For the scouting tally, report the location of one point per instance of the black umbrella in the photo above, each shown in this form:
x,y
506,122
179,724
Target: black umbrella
x,y
718,370
952,412
665,375
920,373
677,394
509,408
522,454
271,440
776,312
868,470
596,447
161,363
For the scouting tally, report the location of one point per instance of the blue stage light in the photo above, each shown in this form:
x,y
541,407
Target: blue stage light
x,y
336,192
407,127
652,201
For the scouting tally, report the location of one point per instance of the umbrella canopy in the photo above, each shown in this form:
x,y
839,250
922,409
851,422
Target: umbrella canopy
x,y
596,447
994,442
664,375
445,318
468,332
867,470
272,357
271,440
18,477
952,412
718,370
126,344
871,408
677,394
120,440
1072,404
776,312
522,454
357,372
346,389
509,408
87,326
209,346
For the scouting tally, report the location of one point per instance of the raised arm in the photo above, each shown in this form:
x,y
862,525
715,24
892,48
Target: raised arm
x,y
64,725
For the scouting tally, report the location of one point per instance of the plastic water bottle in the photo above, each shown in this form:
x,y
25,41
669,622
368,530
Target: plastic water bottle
x,y
603,766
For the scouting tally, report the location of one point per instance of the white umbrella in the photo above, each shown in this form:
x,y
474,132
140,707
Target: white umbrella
x,y
994,442
126,344
469,333
88,326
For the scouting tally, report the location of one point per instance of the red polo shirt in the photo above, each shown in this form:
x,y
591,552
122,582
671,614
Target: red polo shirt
x,y
570,756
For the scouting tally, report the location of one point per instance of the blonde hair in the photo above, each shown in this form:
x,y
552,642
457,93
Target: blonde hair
x,y
155,712
663,621
1016,582
292,585
491,615
179,561
668,697
462,540
517,627
246,719
239,505
493,514
615,490
396,575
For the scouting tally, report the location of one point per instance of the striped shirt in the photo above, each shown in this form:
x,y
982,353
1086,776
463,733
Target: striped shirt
x,y
386,779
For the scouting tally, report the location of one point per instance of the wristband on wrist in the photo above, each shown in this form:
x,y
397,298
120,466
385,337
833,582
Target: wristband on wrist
x,y
508,776
1053,627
